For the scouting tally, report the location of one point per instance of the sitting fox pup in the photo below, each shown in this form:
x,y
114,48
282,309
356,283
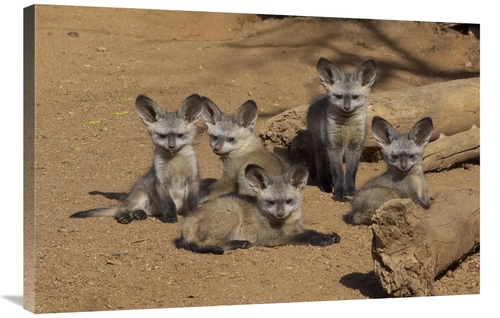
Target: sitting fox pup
x,y
272,217
404,177
233,141
171,186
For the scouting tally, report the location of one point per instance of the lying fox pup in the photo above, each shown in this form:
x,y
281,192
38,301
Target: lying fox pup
x,y
171,186
270,218
404,177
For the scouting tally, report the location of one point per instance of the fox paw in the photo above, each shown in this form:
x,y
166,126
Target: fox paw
x,y
123,218
339,195
335,238
167,218
240,244
350,192
326,188
139,215
325,239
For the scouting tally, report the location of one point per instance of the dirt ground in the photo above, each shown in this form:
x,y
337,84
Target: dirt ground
x,y
91,63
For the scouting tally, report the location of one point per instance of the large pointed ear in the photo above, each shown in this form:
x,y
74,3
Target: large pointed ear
x,y
366,72
383,132
328,73
210,113
246,115
190,108
147,109
257,177
421,132
297,175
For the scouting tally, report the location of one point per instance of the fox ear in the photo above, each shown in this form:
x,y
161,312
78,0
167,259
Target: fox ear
x,y
246,115
191,108
210,112
421,132
257,177
328,73
297,175
365,73
147,109
383,132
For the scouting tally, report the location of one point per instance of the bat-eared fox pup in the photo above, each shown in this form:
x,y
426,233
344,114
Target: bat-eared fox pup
x,y
337,125
171,186
404,177
233,140
271,217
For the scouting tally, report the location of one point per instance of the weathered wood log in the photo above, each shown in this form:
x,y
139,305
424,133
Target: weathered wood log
x,y
453,107
447,151
412,247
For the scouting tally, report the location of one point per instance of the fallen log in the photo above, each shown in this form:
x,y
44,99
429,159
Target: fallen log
x,y
453,107
412,247
447,151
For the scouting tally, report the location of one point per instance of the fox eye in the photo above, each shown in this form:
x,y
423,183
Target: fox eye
x,y
354,96
411,156
213,137
180,135
162,136
230,139
270,202
394,157
337,96
288,201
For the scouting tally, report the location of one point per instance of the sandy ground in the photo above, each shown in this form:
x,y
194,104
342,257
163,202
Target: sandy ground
x,y
91,146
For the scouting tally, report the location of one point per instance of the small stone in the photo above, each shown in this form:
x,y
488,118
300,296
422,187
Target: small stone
x,y
463,266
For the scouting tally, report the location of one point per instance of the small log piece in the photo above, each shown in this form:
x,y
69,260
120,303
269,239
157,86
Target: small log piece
x,y
447,151
412,247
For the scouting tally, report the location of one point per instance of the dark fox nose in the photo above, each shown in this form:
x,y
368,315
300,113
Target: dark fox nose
x,y
171,142
347,103
218,145
404,165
